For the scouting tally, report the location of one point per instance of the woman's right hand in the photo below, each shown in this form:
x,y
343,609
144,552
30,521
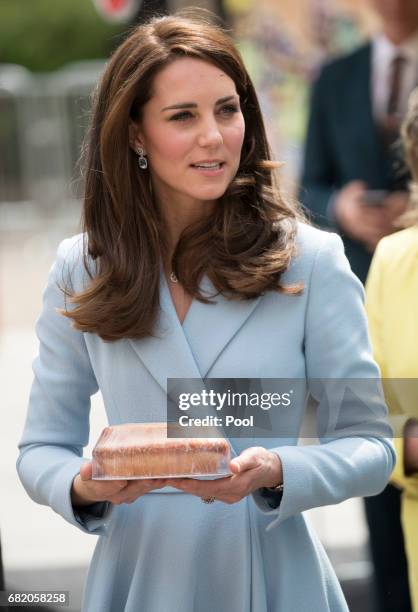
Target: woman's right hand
x,y
86,491
410,453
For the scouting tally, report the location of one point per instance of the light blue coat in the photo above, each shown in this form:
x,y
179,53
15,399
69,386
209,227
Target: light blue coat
x,y
169,552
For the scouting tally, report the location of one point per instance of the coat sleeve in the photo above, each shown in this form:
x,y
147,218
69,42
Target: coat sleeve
x,y
318,178
57,422
355,456
376,289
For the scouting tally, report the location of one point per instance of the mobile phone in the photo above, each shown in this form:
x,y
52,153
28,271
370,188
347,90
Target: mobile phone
x,y
374,197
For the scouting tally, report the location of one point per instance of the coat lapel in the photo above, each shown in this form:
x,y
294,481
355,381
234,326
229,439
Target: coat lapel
x,y
369,141
166,354
210,327
189,351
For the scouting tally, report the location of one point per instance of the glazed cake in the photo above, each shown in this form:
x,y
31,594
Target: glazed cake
x,y
143,450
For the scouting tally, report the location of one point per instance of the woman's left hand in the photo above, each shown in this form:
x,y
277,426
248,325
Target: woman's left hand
x,y
254,468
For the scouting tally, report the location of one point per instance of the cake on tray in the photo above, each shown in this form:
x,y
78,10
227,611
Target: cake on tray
x,y
143,450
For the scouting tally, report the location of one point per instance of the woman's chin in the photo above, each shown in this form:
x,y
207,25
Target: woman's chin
x,y
209,195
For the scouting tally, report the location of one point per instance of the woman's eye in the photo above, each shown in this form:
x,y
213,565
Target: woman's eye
x,y
230,109
181,116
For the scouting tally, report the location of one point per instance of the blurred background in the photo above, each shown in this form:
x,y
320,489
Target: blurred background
x,y
51,54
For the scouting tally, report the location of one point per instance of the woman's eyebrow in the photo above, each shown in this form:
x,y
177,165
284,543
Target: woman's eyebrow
x,y
183,105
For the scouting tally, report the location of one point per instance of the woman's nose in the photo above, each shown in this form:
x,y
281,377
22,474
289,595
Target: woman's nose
x,y
210,134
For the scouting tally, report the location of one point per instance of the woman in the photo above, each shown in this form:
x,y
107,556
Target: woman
x,y
392,302
192,265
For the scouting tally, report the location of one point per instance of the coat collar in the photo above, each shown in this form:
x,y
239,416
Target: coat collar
x,y
191,349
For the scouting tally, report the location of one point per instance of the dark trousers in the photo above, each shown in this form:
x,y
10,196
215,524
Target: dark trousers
x,y
388,552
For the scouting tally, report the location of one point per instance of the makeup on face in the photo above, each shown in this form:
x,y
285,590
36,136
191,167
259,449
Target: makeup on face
x,y
192,129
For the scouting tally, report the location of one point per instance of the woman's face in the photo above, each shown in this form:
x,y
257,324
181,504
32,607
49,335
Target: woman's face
x,y
404,12
192,131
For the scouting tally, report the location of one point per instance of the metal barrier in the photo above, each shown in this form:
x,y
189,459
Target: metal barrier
x,y
15,82
43,118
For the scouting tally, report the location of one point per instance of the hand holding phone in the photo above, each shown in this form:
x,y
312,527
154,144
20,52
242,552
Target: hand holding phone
x,y
357,218
374,197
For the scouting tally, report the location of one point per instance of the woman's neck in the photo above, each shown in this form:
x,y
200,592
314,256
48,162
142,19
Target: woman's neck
x,y
398,33
180,215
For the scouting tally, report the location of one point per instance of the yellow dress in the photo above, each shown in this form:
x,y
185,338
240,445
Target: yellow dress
x,y
392,307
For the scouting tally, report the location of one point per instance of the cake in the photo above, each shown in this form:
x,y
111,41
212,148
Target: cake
x,y
143,450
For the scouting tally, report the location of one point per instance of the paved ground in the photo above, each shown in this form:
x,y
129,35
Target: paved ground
x,y
40,549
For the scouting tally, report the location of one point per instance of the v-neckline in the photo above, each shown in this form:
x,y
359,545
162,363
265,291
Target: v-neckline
x,y
170,302
189,349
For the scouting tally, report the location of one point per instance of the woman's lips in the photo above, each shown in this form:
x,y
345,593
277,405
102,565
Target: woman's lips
x,y
209,171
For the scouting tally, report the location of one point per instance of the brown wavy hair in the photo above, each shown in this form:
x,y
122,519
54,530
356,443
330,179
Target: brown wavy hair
x,y
244,247
409,132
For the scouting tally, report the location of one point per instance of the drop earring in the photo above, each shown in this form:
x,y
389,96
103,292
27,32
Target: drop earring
x,y
142,160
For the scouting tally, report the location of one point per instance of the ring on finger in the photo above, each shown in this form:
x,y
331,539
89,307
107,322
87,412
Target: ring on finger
x,y
208,500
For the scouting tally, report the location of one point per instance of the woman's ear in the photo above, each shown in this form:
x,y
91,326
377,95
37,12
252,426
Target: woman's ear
x,y
135,140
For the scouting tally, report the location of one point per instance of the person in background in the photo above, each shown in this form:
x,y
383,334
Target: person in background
x,y
357,102
392,306
353,182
